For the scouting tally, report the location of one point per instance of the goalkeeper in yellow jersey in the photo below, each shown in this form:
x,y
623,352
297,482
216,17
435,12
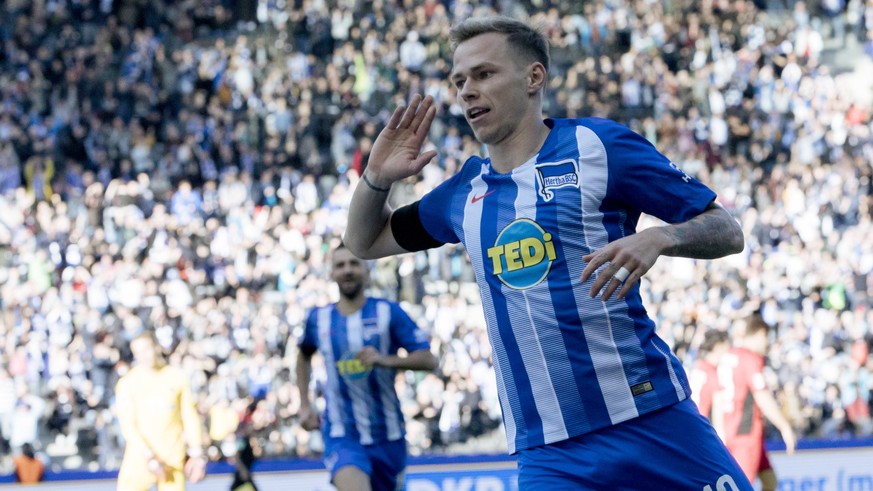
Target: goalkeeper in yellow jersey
x,y
160,425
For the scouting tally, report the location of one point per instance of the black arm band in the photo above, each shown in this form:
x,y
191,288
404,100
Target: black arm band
x,y
408,231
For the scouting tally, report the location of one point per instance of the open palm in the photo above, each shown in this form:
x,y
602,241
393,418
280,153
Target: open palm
x,y
396,154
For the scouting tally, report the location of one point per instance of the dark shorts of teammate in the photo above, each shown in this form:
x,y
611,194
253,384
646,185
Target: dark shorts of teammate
x,y
383,462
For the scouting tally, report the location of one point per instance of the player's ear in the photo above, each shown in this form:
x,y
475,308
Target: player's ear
x,y
536,76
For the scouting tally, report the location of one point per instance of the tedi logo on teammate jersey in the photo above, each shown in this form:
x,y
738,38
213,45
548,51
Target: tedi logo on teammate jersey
x,y
352,368
522,255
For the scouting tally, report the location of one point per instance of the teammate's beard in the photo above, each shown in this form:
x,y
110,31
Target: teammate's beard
x,y
351,293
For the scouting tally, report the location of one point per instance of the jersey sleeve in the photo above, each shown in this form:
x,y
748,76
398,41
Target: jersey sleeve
x,y
308,343
646,180
756,376
428,223
405,333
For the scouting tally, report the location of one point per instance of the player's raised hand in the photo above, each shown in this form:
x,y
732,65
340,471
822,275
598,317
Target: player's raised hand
x,y
396,153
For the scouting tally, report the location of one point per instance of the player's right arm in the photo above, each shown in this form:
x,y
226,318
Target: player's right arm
x,y
308,417
127,421
396,155
306,347
125,412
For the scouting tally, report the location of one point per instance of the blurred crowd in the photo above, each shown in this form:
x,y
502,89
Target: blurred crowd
x,y
186,166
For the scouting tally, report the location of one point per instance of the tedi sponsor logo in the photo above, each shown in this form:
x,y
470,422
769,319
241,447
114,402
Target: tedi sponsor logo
x,y
522,254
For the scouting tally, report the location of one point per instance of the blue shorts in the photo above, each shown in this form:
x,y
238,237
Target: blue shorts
x,y
383,462
674,448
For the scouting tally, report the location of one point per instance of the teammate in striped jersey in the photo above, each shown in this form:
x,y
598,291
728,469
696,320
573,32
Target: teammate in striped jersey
x,y
359,338
591,397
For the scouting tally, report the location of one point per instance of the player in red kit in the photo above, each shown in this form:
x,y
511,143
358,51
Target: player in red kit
x,y
747,400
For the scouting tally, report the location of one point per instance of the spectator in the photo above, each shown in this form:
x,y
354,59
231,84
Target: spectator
x,y
28,468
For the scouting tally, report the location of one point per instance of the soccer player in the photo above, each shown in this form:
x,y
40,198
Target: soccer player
x,y
160,424
592,398
359,338
703,378
747,400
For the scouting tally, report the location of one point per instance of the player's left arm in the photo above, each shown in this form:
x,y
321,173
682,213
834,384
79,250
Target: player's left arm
x,y
770,409
709,235
645,181
195,466
405,334
421,359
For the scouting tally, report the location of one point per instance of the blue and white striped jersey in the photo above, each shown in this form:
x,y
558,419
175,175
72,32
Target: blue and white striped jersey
x,y
566,363
361,400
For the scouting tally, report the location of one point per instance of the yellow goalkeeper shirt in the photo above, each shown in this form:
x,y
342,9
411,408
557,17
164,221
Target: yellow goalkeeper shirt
x,y
157,414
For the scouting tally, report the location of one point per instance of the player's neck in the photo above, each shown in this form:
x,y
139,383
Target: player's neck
x,y
518,148
348,306
155,367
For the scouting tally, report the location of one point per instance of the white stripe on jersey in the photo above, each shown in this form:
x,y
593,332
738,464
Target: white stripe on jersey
x,y
680,391
336,412
601,342
362,400
507,394
384,377
527,332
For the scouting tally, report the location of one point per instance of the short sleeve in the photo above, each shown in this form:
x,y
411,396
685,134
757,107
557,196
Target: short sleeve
x,y
440,206
647,181
308,343
405,333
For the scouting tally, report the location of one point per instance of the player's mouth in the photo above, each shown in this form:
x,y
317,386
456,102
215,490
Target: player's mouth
x,y
476,113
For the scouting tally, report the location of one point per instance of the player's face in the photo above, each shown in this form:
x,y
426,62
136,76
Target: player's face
x,y
348,272
144,351
758,342
492,87
720,349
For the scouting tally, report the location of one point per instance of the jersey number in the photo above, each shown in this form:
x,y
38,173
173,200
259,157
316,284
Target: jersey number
x,y
724,483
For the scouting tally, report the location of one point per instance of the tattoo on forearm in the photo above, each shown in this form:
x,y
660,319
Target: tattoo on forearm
x,y
710,235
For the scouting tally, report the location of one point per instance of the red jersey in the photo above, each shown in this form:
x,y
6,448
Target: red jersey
x,y
741,374
704,384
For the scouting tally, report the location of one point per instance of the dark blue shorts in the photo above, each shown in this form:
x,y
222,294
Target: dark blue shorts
x,y
674,449
383,462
